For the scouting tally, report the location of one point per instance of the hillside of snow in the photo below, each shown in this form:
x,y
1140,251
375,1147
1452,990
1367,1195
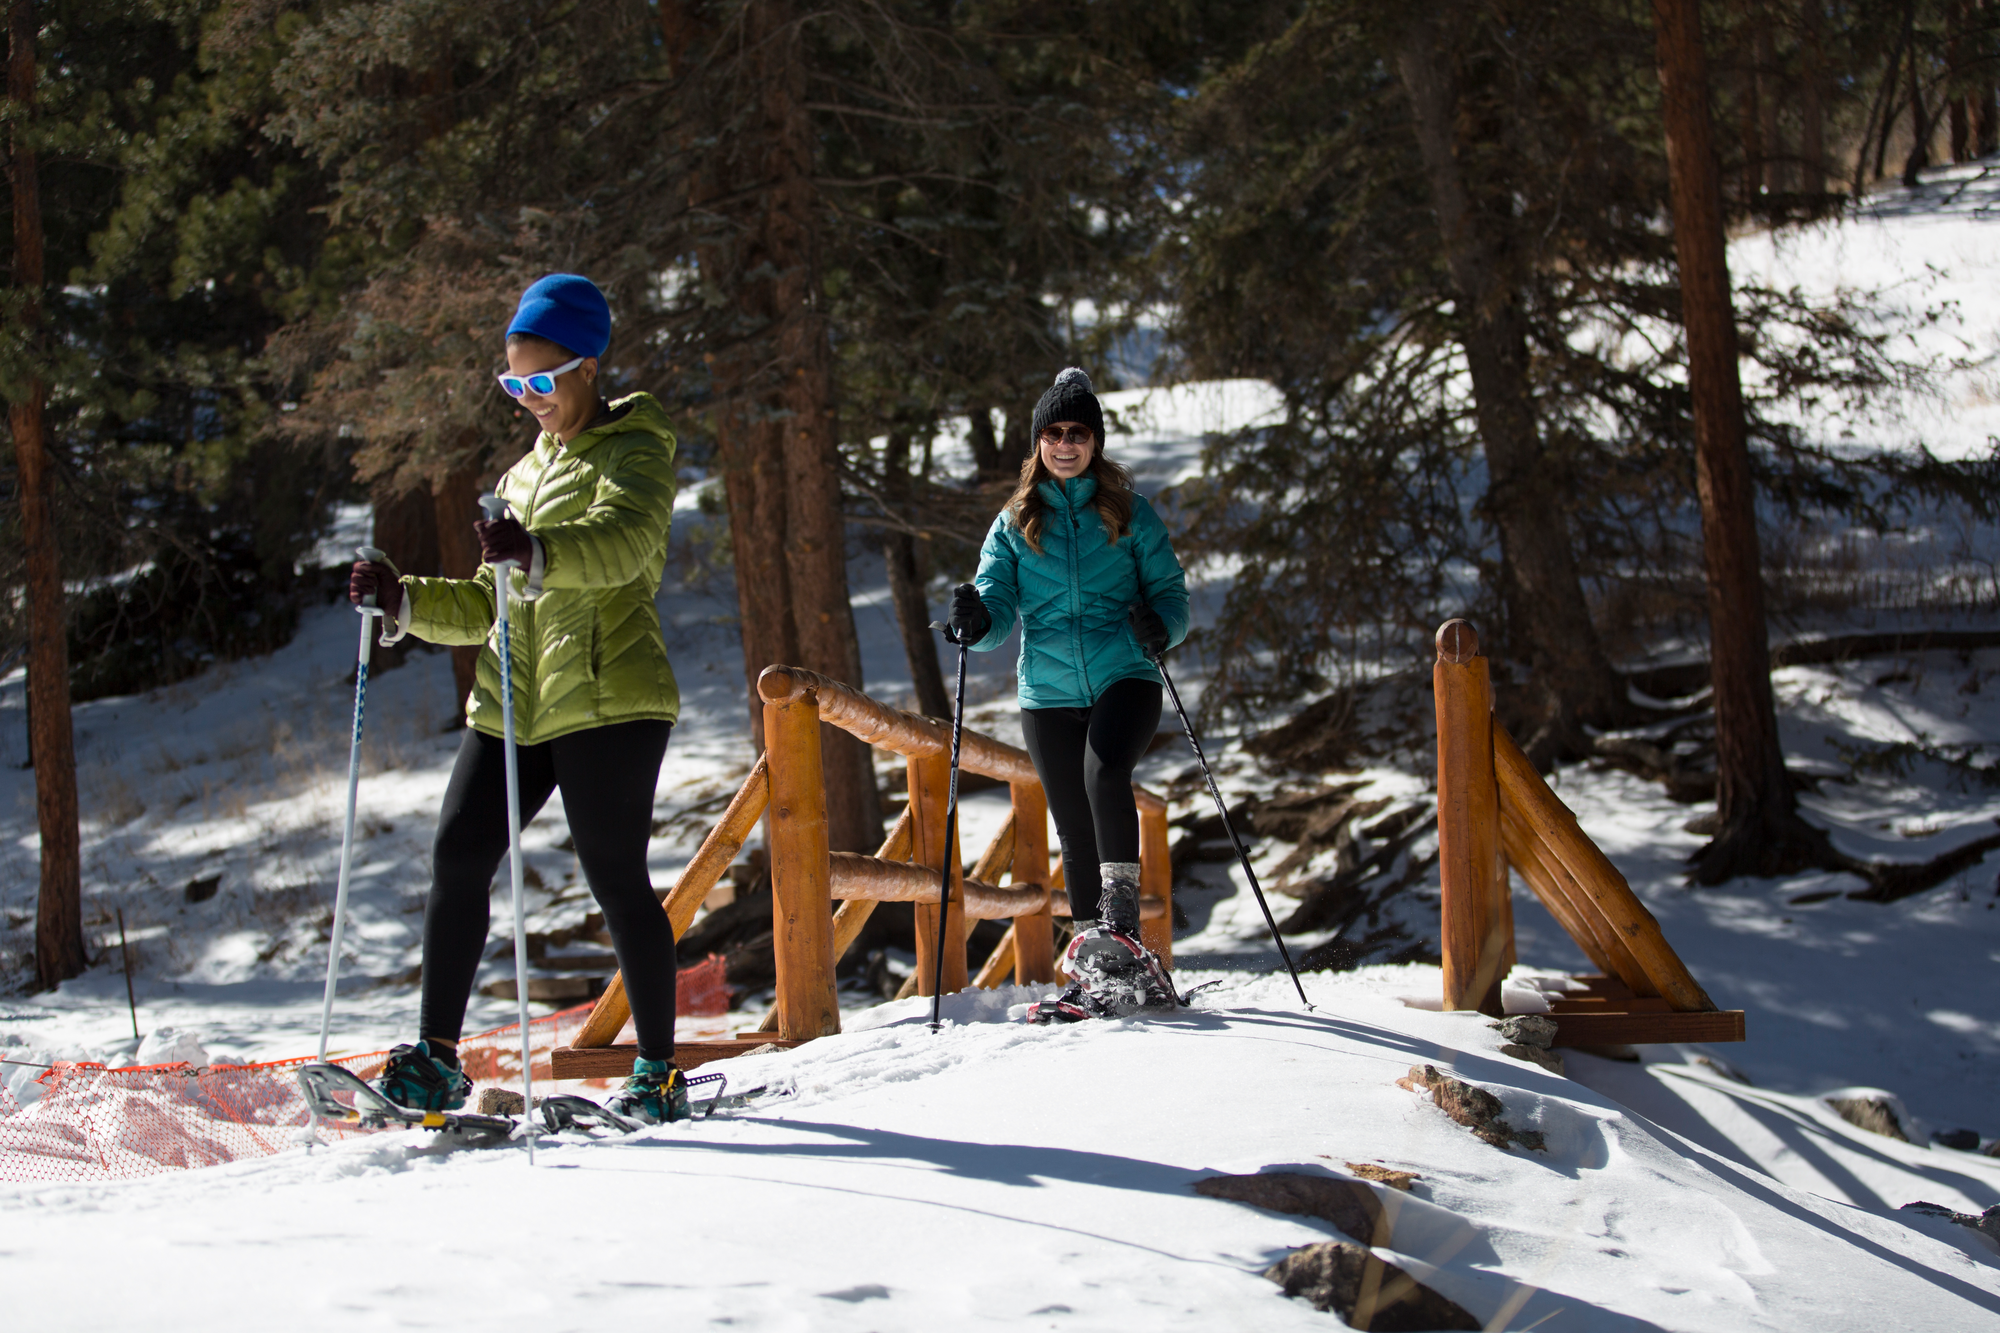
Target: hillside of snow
x,y
990,1173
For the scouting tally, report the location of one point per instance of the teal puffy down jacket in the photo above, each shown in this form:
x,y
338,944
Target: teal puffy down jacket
x,y
1073,598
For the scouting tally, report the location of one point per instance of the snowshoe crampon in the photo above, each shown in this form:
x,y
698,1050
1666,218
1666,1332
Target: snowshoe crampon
x,y
336,1095
1118,973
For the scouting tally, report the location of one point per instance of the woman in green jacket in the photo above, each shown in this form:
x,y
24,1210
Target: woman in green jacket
x,y
1085,564
594,695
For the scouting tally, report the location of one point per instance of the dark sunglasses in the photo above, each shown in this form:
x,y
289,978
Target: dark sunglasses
x,y
1074,435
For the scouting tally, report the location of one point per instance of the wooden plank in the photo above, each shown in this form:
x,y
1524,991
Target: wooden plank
x,y
1542,885
855,876
717,851
616,1061
1627,1029
1469,855
998,856
1156,880
854,913
929,785
1607,947
907,734
801,892
1601,1004
999,964
1034,934
1555,828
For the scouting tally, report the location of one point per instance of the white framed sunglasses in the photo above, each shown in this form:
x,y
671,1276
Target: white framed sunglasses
x,y
542,382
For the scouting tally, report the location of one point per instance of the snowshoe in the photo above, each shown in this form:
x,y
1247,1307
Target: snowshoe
x,y
655,1094
337,1096
417,1080
1112,976
1073,1004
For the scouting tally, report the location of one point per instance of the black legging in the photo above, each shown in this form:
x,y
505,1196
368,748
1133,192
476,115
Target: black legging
x,y
607,775
1084,757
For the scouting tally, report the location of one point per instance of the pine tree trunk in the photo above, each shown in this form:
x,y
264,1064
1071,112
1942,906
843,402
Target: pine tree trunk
x,y
1758,829
1548,617
1749,113
1920,125
1812,114
1958,105
906,587
59,951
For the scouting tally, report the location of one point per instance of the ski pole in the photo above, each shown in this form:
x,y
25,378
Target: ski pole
x,y
503,588
950,827
1159,660
370,612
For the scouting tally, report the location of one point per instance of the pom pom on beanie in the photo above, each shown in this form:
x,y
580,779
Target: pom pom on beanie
x,y
1070,399
567,310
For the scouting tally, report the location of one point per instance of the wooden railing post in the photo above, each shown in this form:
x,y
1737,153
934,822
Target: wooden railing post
x,y
801,897
1478,935
930,790
1156,880
1034,936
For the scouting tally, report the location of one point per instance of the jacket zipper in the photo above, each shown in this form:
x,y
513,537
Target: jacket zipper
x,y
1076,597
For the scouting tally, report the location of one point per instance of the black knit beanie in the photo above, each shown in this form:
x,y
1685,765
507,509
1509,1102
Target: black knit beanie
x,y
1070,399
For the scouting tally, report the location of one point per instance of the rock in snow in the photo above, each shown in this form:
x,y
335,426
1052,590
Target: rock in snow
x,y
1475,1108
1349,1281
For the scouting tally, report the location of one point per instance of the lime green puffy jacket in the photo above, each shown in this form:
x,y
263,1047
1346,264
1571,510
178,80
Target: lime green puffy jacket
x,y
587,649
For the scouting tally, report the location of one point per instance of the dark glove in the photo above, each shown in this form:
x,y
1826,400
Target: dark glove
x,y
969,617
1149,629
371,579
504,539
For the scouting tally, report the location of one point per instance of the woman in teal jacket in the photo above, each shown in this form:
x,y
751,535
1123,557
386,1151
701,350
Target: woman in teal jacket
x,y
1085,564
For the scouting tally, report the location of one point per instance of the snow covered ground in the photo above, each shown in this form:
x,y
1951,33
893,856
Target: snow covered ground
x,y
997,1175
994,1174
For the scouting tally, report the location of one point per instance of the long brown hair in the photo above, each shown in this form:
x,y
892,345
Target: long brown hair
x,y
1113,500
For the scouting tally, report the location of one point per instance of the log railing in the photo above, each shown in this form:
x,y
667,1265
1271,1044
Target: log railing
x,y
786,788
1496,812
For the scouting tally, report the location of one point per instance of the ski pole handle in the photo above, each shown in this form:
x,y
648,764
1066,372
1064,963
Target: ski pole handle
x,y
375,556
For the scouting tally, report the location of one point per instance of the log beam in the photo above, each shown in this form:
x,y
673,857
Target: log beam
x,y
1034,932
1554,827
1472,875
717,851
801,895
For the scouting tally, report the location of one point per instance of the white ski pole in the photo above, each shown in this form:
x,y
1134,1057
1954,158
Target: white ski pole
x,y
503,588
370,612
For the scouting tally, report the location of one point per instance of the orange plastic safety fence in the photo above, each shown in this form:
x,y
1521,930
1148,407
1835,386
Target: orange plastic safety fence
x,y
93,1123
702,991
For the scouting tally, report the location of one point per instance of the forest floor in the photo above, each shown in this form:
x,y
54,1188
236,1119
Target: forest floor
x,y
992,1173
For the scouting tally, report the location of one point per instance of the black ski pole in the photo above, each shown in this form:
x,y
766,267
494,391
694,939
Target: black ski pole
x,y
1159,660
950,828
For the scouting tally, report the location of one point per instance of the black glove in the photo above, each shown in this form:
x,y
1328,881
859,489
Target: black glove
x,y
969,618
504,539
369,578
1149,629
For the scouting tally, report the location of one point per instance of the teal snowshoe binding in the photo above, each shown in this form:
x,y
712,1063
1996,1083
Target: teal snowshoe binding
x,y
418,1079
655,1094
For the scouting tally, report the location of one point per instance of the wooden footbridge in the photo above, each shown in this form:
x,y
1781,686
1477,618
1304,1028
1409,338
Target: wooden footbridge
x,y
1494,811
787,788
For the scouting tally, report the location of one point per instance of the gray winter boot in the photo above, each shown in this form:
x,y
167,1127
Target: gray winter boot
x,y
1118,902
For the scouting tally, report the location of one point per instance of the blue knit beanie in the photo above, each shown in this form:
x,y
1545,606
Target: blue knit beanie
x,y
567,310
